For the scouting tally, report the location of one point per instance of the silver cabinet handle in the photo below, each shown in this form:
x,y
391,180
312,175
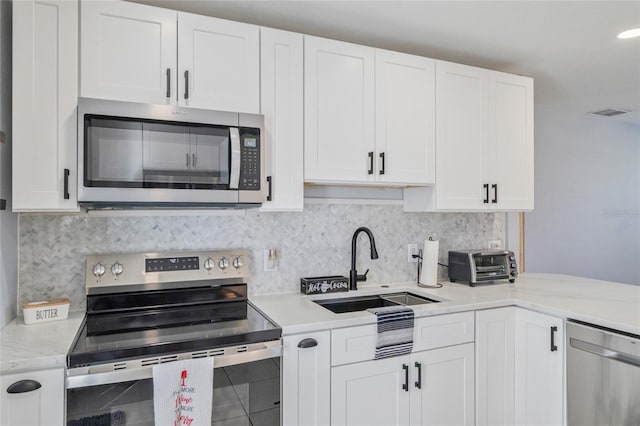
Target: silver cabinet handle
x,y
187,154
193,159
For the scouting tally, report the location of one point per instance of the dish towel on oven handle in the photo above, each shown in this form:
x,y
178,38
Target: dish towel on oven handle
x,y
395,331
183,392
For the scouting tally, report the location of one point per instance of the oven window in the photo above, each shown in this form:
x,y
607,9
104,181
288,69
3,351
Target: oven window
x,y
137,153
243,394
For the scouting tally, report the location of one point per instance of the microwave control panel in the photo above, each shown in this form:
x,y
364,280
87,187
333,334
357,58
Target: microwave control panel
x,y
249,162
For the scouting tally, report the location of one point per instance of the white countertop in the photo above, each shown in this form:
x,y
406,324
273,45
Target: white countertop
x,y
37,346
603,303
41,346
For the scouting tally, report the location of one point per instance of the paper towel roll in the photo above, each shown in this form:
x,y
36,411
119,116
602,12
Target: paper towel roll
x,y
429,274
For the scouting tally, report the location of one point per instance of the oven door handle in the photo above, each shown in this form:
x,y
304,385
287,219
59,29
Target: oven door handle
x,y
84,376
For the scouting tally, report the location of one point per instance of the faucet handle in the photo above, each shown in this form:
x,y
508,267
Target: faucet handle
x,y
363,277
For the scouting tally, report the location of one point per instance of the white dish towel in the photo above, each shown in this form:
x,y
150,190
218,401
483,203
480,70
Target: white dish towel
x,y
183,392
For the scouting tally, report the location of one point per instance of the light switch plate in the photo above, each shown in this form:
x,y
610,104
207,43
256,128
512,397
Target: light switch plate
x,y
411,250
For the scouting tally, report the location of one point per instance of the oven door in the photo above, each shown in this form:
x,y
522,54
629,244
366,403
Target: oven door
x,y
246,390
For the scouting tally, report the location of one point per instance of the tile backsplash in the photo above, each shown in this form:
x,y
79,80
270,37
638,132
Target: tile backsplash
x,y
52,248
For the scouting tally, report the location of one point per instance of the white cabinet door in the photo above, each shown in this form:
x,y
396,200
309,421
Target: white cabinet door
x,y
539,377
371,393
511,136
405,118
461,105
45,93
281,62
305,379
338,111
128,52
442,387
44,405
218,63
495,368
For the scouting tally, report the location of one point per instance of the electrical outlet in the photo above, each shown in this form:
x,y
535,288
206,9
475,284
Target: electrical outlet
x,y
270,260
411,250
494,244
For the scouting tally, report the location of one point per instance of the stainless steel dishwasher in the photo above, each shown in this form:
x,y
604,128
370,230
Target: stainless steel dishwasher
x,y
603,376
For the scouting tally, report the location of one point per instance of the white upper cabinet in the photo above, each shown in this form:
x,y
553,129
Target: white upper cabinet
x,y
484,142
369,115
45,92
511,136
484,139
405,114
461,135
218,64
128,52
281,73
338,111
139,53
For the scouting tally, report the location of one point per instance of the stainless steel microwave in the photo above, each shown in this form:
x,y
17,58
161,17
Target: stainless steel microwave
x,y
141,155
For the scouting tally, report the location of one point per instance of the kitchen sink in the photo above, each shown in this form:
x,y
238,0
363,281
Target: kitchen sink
x,y
362,303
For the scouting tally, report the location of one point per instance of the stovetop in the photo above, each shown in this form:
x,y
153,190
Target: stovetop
x,y
155,304
92,350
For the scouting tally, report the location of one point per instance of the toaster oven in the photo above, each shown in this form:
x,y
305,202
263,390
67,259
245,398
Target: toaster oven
x,y
477,266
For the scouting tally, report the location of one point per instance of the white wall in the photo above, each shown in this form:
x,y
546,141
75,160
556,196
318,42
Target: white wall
x,y
8,220
586,220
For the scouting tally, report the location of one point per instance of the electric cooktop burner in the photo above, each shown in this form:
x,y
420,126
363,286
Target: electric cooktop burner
x,y
155,304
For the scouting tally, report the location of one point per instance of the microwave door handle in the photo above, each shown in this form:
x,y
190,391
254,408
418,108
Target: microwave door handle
x,y
234,176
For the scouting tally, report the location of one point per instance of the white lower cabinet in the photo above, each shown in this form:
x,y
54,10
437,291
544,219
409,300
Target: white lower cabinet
x,y
495,366
33,398
520,368
371,393
425,388
539,369
442,390
306,360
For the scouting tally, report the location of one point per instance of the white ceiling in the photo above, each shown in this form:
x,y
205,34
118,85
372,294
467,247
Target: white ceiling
x,y
569,47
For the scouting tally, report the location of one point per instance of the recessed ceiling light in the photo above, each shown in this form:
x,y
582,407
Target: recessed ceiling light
x,y
635,32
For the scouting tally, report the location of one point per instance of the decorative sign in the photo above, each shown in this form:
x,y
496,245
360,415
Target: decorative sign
x,y
322,285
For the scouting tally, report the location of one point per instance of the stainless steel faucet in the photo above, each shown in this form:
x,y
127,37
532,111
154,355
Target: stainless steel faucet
x,y
353,274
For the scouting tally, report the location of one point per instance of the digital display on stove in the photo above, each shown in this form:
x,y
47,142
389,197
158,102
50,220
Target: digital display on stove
x,y
164,264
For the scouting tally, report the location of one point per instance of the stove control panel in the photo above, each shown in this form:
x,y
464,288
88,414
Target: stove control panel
x,y
107,272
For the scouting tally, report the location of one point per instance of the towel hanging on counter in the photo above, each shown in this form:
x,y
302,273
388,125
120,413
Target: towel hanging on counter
x,y
183,392
395,331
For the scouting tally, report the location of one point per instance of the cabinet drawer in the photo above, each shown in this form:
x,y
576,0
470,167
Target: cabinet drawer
x,y
443,330
357,344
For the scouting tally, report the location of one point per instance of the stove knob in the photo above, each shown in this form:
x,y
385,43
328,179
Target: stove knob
x,y
238,262
224,263
117,268
209,264
99,270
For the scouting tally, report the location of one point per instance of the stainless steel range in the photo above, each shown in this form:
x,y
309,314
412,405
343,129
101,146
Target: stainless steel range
x,y
154,308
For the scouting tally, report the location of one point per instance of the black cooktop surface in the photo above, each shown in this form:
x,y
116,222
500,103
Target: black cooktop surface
x,y
89,349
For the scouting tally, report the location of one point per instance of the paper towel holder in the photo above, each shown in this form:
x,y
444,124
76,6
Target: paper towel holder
x,y
419,256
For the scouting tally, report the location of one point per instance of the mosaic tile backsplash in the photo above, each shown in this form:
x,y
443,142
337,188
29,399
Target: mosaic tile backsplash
x,y
311,243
